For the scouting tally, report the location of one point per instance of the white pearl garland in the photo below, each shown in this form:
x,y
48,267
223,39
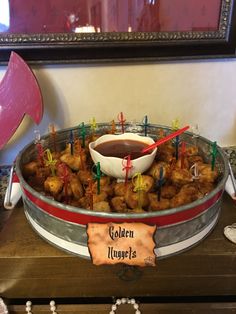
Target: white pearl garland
x,y
53,307
28,307
125,301
3,307
114,307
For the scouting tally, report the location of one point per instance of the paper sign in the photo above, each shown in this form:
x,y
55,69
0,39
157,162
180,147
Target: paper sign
x,y
128,243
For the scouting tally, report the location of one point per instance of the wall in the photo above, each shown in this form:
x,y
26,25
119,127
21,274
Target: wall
x,y
195,92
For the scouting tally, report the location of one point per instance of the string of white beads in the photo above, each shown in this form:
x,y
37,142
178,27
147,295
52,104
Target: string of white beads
x,y
3,307
28,307
53,307
125,301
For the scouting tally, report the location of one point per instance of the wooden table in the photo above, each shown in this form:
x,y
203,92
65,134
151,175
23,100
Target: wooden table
x,y
201,280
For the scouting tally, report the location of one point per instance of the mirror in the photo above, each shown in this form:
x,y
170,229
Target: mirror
x,y
56,31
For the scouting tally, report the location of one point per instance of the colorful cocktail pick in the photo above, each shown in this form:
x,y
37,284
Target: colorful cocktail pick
x,y
127,165
122,120
49,161
93,128
113,127
195,130
37,136
71,142
137,181
213,155
175,124
160,182
97,176
195,171
145,124
93,125
82,133
39,147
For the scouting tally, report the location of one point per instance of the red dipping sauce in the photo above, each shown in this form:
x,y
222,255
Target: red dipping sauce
x,y
122,148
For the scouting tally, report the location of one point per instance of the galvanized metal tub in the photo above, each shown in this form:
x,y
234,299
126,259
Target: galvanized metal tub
x,y
178,229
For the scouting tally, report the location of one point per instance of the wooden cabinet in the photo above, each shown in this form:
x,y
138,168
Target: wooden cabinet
x,y
201,280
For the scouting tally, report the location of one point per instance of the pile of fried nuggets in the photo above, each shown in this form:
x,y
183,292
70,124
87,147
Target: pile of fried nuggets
x,y
180,184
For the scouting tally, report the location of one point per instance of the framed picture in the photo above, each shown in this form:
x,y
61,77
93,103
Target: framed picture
x,y
62,31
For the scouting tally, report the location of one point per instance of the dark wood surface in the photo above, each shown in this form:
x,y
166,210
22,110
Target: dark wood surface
x,y
32,268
